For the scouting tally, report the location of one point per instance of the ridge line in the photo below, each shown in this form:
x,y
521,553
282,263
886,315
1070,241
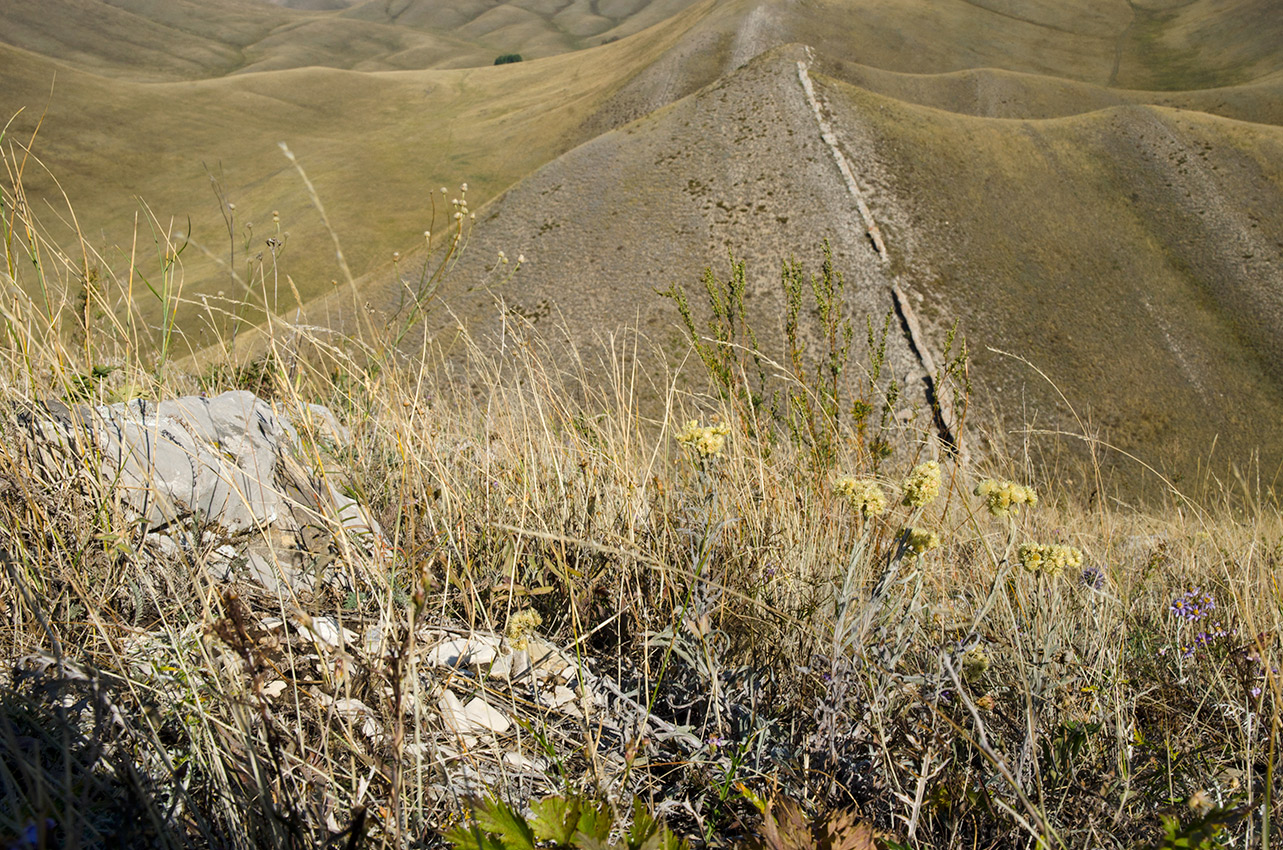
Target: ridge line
x,y
942,412
830,139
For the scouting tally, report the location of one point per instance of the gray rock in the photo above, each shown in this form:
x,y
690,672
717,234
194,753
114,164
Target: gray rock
x,y
230,463
214,458
275,577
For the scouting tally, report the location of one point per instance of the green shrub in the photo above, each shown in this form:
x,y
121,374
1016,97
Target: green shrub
x,y
507,58
575,823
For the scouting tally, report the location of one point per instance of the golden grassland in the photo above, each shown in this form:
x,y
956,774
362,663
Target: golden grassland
x,y
124,148
845,616
143,104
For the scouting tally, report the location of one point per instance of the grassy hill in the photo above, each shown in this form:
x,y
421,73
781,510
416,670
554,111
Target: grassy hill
x,y
378,146
151,41
1143,291
783,609
1111,162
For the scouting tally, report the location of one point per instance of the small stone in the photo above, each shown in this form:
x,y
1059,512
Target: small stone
x,y
520,665
478,717
354,709
548,659
463,652
350,707
523,762
167,546
557,697
502,666
372,642
486,716
264,572
325,631
326,425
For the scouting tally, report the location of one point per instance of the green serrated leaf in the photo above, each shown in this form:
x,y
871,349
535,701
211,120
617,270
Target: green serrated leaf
x,y
472,838
591,842
896,845
669,841
595,822
648,833
497,817
642,834
555,819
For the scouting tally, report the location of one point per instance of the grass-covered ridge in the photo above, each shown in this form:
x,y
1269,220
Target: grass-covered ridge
x,y
818,607
1060,176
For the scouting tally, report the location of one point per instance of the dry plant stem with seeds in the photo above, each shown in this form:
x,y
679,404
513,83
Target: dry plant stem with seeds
x,y
766,611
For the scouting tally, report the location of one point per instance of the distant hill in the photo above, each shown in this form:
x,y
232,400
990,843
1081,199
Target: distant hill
x,y
1129,252
1094,185
185,39
377,145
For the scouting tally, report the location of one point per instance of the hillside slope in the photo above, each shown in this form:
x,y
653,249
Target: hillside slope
x,y
376,146
143,40
1067,179
1144,291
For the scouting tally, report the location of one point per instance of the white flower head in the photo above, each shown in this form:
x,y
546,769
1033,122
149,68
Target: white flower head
x,y
922,484
705,441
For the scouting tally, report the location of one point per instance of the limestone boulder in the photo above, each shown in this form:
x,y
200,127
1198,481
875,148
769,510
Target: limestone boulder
x,y
222,468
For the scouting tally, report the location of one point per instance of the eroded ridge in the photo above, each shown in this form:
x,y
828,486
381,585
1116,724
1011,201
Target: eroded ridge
x,y
826,133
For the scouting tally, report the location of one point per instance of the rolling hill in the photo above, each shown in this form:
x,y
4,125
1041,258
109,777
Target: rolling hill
x,y
1144,291
1096,186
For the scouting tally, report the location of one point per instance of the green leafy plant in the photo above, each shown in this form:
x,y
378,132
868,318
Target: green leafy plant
x,y
728,348
821,406
507,58
1203,832
816,399
560,822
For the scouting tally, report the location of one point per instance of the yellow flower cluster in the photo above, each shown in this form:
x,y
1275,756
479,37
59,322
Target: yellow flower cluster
x,y
1002,497
521,626
862,493
704,440
919,540
975,662
1051,559
922,485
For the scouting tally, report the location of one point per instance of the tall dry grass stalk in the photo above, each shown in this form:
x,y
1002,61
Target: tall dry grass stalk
x,y
786,642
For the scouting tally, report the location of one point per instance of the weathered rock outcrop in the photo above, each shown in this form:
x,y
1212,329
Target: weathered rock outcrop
x,y
228,475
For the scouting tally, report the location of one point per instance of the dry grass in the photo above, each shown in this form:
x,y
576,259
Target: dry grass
x,y
146,100
383,142
786,644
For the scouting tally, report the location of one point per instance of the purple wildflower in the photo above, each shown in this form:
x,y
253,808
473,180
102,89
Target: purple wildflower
x,y
31,836
1193,605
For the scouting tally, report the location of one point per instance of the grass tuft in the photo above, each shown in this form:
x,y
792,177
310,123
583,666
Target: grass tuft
x,y
780,636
